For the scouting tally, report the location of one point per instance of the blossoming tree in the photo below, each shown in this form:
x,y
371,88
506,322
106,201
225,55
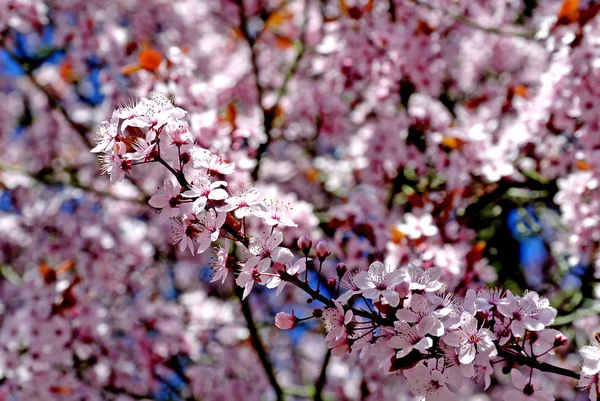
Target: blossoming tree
x,y
307,199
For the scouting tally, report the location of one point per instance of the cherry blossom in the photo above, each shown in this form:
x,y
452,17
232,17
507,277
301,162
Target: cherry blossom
x,y
591,358
429,383
285,321
267,250
417,181
168,200
244,204
527,389
203,190
211,227
471,340
378,283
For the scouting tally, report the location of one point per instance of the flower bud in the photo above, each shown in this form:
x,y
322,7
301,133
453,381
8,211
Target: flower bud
x,y
331,283
285,321
305,243
322,249
560,340
403,289
317,313
341,269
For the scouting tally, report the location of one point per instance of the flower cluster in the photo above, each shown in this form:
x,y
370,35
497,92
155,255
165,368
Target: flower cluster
x,y
432,149
411,323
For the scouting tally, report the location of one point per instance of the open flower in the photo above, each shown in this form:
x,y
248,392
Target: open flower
x,y
422,279
204,159
245,204
203,190
277,282
219,263
408,338
527,312
167,200
275,214
527,390
266,251
105,136
212,226
183,234
429,383
470,340
418,311
591,358
379,282
335,321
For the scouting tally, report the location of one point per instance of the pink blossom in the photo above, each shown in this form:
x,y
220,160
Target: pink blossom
x,y
335,321
275,214
408,338
167,200
183,235
591,358
211,227
379,282
219,263
245,204
285,321
529,312
213,164
203,190
265,251
470,340
527,389
429,384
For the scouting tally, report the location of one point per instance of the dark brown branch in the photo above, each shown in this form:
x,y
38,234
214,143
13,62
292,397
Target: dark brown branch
x,y
533,363
258,345
269,113
48,180
322,379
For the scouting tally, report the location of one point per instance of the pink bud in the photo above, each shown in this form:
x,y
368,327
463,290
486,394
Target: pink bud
x,y
560,340
331,282
285,321
322,249
341,269
305,243
403,289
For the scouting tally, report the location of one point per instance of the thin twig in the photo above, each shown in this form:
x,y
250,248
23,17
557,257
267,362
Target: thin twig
x,y
269,113
531,362
45,180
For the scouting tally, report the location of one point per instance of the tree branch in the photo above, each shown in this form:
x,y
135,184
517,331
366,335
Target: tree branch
x,y
321,380
533,363
258,345
269,113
